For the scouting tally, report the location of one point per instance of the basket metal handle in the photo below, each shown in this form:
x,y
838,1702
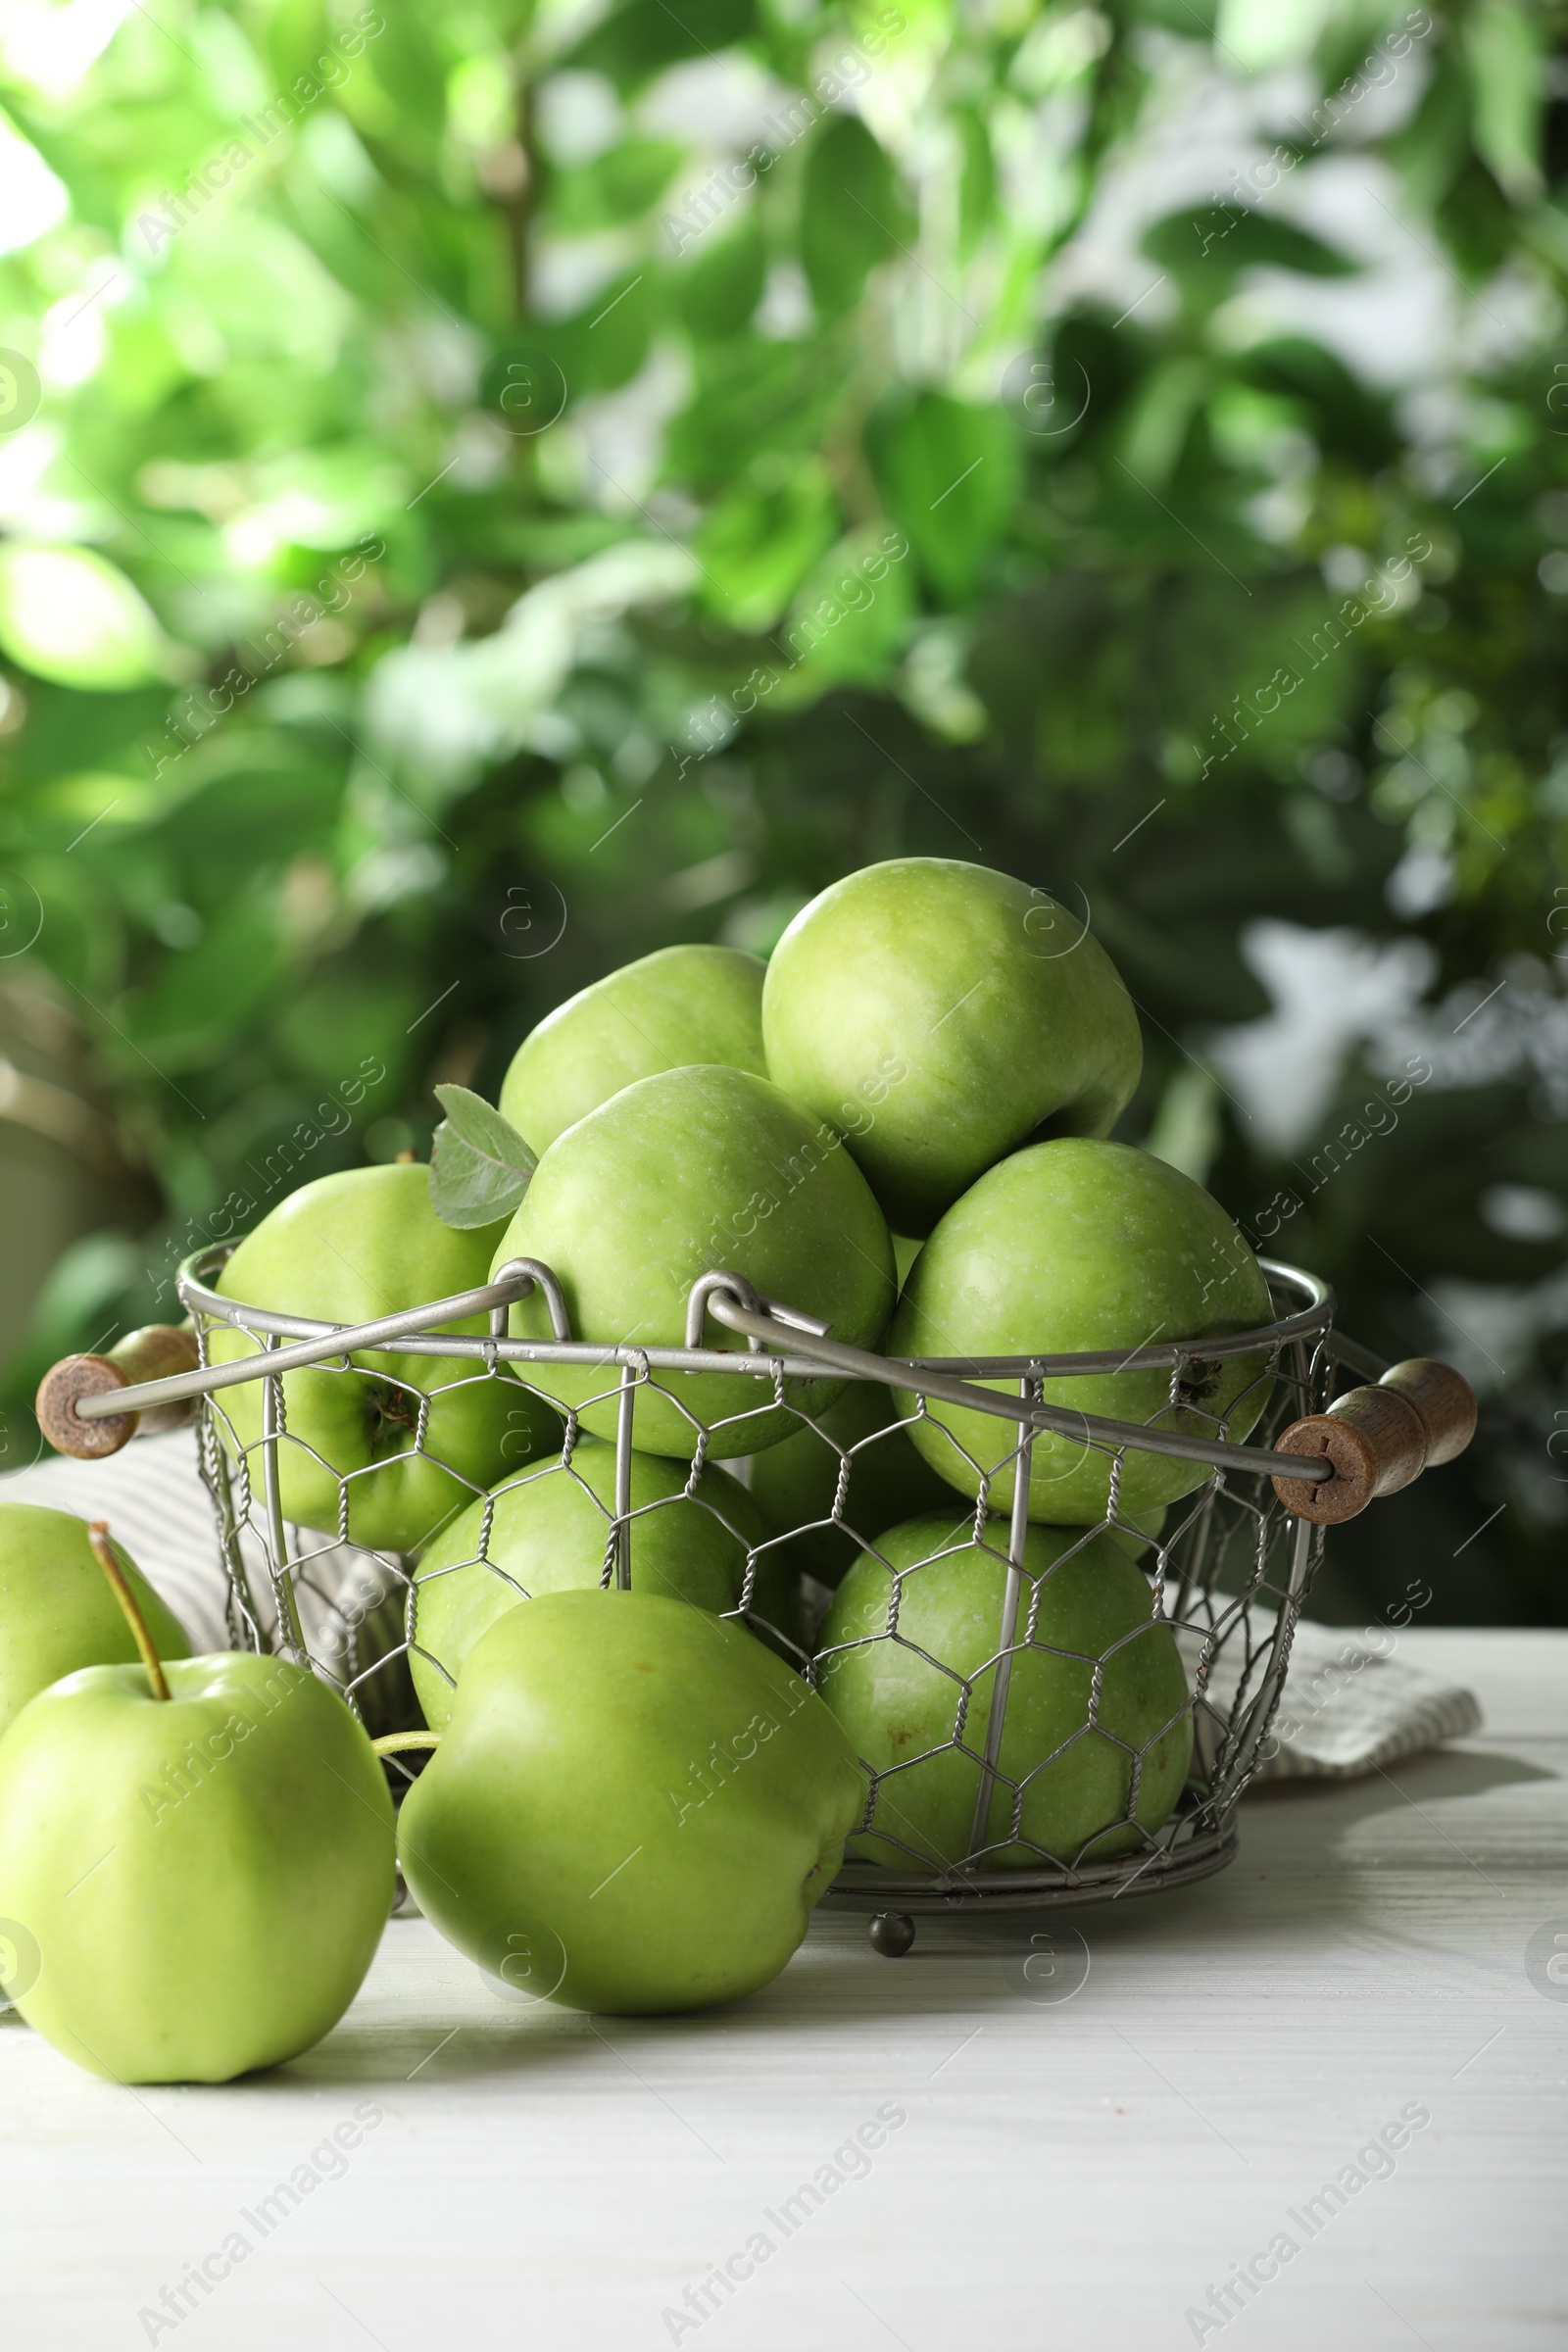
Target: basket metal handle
x,y
1372,1442
1066,1421
1328,1466
76,1400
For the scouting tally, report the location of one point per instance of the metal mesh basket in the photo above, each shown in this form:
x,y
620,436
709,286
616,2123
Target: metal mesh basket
x,y
1226,1575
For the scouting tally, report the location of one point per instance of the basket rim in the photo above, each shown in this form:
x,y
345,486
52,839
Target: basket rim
x,y
877,1886
772,1330
1312,1320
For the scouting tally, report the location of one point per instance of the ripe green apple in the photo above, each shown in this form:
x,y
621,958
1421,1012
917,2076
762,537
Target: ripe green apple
x,y
202,1879
345,1250
1075,1246
902,1712
545,1532
634,1807
686,1171
1136,1532
942,1014
795,1483
664,1012
56,1611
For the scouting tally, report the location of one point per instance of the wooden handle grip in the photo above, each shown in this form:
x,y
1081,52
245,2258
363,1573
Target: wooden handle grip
x,y
155,1352
1379,1439
1444,1401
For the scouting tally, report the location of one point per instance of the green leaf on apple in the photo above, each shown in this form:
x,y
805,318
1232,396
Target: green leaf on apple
x,y
479,1164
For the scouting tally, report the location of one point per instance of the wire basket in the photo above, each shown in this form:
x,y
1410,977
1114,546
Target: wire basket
x,y
1226,1575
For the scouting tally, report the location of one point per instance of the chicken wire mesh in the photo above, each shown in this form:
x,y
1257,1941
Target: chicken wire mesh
x,y
1034,1745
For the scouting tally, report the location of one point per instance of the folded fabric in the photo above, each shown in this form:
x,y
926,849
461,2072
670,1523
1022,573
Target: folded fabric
x,y
1350,1702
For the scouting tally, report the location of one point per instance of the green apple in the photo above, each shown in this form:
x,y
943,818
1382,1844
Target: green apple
x,y
683,1172
348,1249
942,1014
56,1611
634,1807
201,1881
665,1011
1138,1531
859,1441
547,1531
914,1688
1076,1246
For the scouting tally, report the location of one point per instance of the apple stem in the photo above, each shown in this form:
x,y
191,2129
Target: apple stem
x,y
395,1741
98,1538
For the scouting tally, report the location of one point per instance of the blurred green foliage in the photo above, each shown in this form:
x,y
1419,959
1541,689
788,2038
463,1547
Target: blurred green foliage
x,y
490,491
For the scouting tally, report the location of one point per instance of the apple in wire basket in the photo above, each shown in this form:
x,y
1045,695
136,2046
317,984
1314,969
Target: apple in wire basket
x,y
683,1172
942,1015
859,1446
1097,1690
1077,1247
546,1531
681,1005
347,1248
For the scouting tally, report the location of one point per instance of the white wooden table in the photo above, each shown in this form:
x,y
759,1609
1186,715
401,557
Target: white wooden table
x,y
1069,2172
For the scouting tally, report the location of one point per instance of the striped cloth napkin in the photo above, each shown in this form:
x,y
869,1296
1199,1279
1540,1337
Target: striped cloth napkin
x,y
1351,1703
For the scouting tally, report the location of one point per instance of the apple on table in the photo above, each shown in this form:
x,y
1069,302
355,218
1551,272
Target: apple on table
x,y
196,1860
56,1611
634,1806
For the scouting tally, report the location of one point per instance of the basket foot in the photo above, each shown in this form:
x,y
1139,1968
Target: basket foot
x,y
892,1934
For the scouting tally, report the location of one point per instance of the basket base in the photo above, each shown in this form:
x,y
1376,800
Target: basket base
x,y
868,1886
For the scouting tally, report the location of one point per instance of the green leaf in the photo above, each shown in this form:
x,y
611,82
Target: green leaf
x,y
409,67
248,811
751,399
347,1022
1159,416
479,1164
640,41
1211,243
208,995
724,284
758,541
853,613
1431,152
949,474
615,187
598,350
851,214
71,616
977,181
1507,90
